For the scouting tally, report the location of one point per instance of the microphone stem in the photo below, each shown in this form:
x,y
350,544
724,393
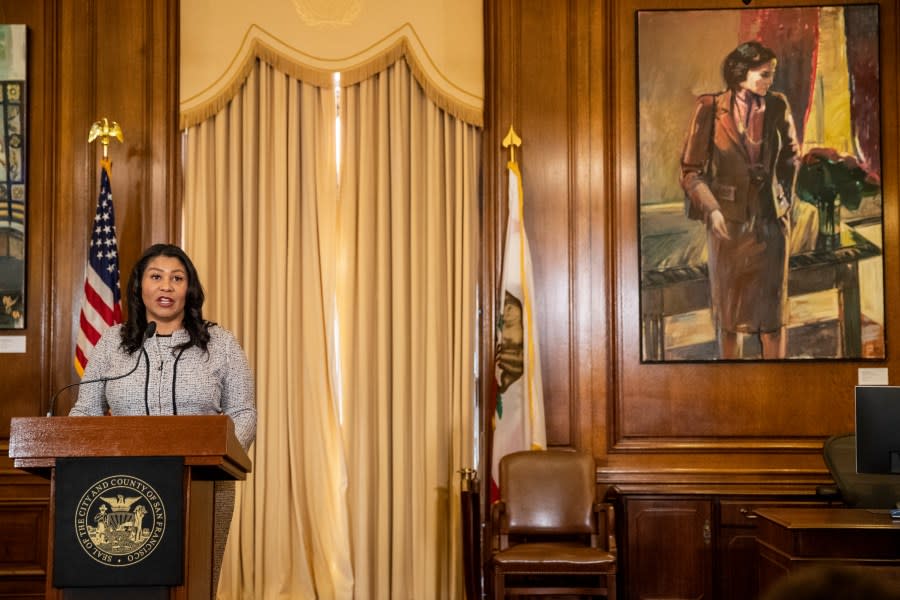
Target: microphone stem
x,y
149,332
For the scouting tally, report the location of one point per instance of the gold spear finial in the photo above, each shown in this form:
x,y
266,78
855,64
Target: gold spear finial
x,y
104,129
511,141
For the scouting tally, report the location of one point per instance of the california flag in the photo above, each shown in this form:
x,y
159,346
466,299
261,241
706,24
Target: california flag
x,y
519,416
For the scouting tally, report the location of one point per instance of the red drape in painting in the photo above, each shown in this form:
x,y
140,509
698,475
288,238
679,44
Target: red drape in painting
x,y
861,26
793,34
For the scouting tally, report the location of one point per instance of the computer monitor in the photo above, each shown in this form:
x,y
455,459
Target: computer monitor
x,y
878,429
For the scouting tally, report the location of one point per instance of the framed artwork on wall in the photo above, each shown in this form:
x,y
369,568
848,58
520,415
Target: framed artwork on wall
x,y
759,165
13,171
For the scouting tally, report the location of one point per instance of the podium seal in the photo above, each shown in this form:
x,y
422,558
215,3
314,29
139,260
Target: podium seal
x,y
120,520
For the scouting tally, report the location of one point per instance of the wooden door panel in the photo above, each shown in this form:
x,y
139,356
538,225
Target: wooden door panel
x,y
669,548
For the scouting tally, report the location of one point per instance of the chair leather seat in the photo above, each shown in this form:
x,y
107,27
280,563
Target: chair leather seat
x,y
552,556
550,535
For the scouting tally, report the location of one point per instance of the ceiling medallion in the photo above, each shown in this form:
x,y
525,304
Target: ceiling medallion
x,y
328,12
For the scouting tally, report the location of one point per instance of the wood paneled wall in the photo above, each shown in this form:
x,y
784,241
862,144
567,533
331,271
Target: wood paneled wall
x,y
563,74
86,60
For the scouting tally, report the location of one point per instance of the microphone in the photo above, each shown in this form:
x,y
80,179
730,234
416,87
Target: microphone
x,y
148,333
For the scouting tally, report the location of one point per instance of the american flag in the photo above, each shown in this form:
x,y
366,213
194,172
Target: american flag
x,y
101,305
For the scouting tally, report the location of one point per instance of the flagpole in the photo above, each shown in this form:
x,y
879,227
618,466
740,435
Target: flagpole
x,y
101,305
518,416
510,142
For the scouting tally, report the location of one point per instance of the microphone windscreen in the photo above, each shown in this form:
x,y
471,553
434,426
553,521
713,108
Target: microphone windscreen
x,y
151,329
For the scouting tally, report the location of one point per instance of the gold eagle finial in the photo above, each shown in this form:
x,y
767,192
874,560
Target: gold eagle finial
x,y
105,129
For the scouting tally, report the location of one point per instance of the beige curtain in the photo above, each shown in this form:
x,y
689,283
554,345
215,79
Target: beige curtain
x,y
259,210
366,507
406,295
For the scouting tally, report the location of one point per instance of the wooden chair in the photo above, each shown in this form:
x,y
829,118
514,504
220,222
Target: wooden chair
x,y
550,535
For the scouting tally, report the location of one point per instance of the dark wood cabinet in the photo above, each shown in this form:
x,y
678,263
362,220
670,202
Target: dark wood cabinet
x,y
692,547
737,572
738,553
24,519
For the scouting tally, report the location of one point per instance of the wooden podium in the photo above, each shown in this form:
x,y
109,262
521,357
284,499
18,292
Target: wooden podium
x,y
210,450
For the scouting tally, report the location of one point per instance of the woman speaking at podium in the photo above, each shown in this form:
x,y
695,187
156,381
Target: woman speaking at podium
x,y
179,363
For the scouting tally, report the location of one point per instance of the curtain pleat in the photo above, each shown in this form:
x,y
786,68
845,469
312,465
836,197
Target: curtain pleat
x,y
260,196
406,305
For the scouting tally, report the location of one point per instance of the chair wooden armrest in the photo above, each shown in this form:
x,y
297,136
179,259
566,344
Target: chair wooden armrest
x,y
499,541
606,524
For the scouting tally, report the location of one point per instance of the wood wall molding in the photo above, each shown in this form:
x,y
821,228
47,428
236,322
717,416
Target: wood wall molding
x,y
86,60
564,74
24,373
119,61
540,58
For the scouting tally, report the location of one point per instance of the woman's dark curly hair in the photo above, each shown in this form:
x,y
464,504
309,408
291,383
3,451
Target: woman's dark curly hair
x,y
196,326
748,55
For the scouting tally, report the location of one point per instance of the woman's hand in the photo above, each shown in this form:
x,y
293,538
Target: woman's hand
x,y
717,225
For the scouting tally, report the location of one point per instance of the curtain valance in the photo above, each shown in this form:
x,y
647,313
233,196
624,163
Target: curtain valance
x,y
219,45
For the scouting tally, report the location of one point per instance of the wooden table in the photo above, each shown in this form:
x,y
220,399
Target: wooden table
x,y
789,538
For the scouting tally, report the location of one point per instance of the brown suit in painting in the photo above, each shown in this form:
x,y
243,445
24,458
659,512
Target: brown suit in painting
x,y
751,181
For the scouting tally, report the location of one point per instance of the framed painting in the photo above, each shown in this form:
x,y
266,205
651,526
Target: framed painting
x,y
760,219
12,175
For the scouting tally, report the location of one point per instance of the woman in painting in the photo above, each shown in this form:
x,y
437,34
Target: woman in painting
x,y
738,171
